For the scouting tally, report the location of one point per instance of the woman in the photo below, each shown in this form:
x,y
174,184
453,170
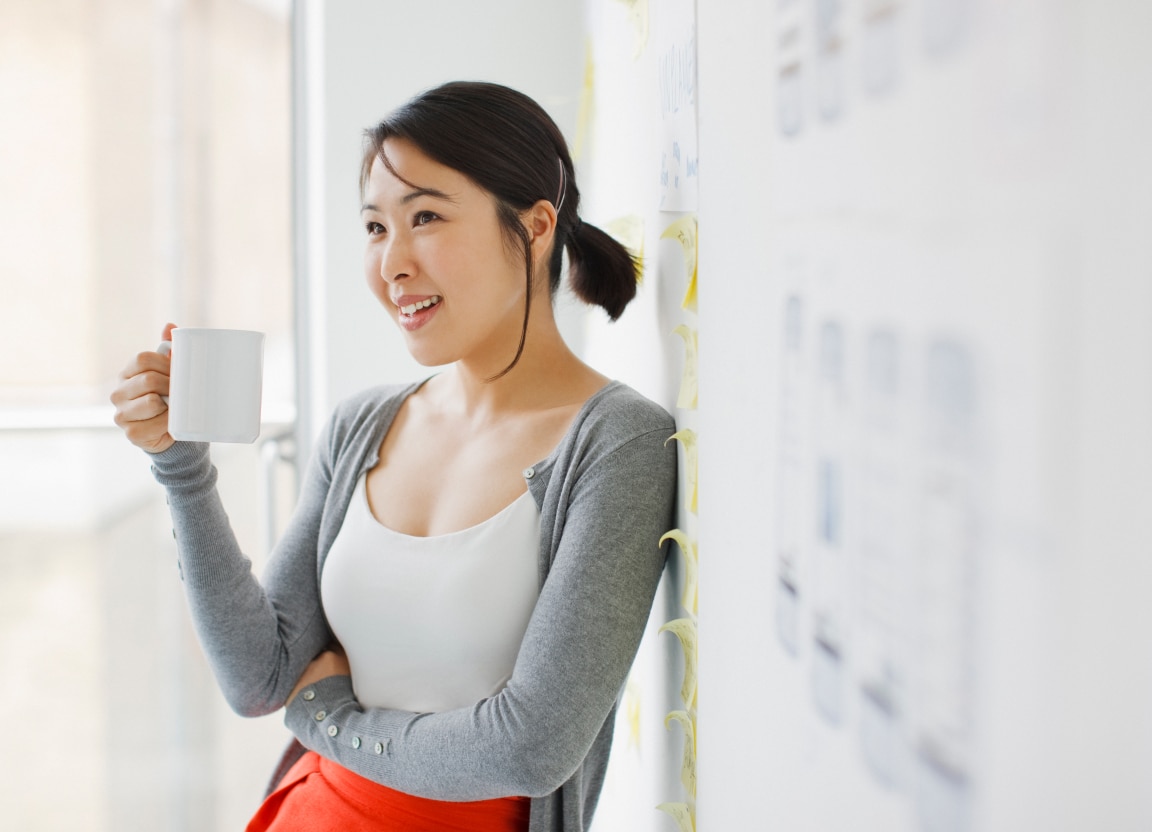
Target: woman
x,y
453,610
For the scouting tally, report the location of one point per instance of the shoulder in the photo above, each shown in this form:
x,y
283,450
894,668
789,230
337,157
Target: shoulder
x,y
363,404
619,450
617,412
617,424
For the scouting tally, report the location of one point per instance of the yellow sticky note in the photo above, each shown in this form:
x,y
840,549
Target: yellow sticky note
x,y
689,600
629,232
682,813
631,710
688,766
689,381
685,630
584,116
638,17
687,438
685,230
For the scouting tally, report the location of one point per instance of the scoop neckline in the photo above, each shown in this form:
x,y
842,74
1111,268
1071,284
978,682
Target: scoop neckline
x,y
362,494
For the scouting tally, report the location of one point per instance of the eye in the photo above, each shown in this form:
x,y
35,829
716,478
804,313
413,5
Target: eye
x,y
424,217
373,228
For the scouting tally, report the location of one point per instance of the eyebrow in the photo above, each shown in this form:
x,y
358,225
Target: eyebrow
x,y
416,194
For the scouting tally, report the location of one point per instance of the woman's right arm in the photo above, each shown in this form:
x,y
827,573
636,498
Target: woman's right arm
x,y
259,637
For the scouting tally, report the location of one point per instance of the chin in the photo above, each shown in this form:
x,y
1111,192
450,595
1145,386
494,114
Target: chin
x,y
433,362
430,358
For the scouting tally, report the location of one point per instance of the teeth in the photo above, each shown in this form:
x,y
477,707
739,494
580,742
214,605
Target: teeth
x,y
424,304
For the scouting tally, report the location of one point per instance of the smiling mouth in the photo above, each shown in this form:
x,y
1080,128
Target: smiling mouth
x,y
412,308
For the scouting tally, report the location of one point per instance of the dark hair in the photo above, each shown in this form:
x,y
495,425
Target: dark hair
x,y
504,142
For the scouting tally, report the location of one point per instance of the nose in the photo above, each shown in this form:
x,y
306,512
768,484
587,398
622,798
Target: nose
x,y
396,261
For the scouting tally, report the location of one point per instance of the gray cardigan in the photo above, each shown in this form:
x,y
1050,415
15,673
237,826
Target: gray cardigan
x,y
606,494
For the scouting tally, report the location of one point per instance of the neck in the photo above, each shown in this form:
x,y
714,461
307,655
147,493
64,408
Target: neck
x,y
541,378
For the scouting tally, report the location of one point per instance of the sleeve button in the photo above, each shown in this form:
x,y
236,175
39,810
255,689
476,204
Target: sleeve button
x,y
355,742
333,730
378,748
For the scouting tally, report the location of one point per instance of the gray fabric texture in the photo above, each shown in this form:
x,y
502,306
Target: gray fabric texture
x,y
606,494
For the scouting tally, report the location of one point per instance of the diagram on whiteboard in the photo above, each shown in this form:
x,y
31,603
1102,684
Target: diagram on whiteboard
x,y
878,610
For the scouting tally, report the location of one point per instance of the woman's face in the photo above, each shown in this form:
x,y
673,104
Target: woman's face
x,y
437,260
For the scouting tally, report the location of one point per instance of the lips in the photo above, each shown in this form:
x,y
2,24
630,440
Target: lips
x,y
416,310
409,305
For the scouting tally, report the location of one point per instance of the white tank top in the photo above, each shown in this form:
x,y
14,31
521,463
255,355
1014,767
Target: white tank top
x,y
431,623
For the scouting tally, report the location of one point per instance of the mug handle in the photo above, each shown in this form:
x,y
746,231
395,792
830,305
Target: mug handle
x,y
165,348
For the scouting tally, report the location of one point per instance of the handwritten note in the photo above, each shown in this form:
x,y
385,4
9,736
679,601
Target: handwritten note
x,y
629,232
687,439
676,73
688,766
689,599
685,630
689,381
682,813
685,231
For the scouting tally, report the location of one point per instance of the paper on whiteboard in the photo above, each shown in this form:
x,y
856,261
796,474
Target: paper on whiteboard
x,y
675,32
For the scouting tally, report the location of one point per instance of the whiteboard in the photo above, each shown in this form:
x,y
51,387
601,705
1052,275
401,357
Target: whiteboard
x,y
925,383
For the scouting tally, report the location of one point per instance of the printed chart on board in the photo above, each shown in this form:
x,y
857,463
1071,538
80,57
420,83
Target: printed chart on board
x,y
896,370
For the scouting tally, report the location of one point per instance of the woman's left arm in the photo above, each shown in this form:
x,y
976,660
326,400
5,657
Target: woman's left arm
x,y
580,643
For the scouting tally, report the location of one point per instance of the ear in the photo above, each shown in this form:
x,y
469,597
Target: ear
x,y
540,221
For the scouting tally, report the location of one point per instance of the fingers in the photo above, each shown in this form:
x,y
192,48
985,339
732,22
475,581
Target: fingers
x,y
166,335
137,405
141,412
140,384
145,362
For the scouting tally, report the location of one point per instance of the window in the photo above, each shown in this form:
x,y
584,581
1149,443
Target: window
x,y
144,177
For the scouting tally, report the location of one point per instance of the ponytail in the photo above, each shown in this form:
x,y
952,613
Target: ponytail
x,y
602,272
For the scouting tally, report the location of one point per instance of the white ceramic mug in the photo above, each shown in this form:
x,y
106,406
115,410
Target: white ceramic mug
x,y
216,381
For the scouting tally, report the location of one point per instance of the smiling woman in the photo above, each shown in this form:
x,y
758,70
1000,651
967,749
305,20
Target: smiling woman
x,y
452,612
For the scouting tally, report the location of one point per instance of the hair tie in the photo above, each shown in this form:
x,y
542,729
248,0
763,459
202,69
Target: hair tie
x,y
563,192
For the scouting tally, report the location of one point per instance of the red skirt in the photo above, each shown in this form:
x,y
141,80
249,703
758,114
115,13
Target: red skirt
x,y
318,795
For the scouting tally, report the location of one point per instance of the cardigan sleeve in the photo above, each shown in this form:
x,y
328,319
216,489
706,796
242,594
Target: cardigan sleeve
x,y
258,636
579,645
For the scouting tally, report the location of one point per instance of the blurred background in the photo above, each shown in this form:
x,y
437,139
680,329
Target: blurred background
x,y
145,176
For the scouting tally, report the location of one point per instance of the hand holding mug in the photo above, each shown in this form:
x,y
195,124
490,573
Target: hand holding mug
x,y
207,390
140,399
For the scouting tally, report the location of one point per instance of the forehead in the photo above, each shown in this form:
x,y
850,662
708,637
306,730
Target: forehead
x,y
413,170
